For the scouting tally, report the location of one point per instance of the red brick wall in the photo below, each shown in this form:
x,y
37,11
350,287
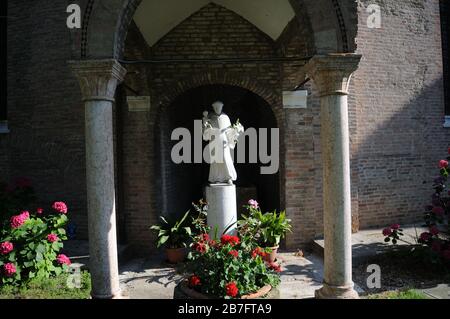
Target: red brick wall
x,y
398,99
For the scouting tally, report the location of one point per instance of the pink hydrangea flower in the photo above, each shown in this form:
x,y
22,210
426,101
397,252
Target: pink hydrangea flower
x,y
443,164
425,236
63,260
9,269
19,220
253,204
60,207
6,247
438,210
387,231
52,238
434,230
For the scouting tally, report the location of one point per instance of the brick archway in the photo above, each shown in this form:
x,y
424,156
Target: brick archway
x,y
332,25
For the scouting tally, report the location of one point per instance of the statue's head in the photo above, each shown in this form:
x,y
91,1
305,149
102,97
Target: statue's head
x,y
217,107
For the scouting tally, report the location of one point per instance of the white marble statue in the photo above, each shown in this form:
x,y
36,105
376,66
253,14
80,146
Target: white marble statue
x,y
223,137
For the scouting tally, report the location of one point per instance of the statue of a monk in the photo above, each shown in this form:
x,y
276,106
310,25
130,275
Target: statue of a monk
x,y
223,136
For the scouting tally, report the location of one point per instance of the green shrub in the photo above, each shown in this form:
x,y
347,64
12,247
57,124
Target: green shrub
x,y
29,245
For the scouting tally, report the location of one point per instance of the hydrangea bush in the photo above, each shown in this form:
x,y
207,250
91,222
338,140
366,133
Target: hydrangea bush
x,y
30,244
436,218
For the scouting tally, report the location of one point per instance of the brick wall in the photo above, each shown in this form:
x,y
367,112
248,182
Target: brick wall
x,y
45,112
398,97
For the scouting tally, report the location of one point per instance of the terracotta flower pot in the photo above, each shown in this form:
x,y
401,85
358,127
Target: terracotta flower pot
x,y
175,255
272,256
193,294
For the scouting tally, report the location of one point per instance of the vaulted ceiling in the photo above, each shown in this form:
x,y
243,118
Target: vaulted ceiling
x,y
155,18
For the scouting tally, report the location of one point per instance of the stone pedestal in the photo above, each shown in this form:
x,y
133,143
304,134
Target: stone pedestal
x,y
98,81
332,74
222,209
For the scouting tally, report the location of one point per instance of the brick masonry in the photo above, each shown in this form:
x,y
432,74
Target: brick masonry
x,y
396,111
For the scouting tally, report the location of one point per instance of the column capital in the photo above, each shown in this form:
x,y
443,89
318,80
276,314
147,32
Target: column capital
x,y
98,78
332,72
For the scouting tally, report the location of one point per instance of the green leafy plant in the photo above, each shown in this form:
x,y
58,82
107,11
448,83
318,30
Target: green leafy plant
x,y
173,234
30,243
267,229
229,268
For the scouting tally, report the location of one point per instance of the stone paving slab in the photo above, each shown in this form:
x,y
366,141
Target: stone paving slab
x,y
439,292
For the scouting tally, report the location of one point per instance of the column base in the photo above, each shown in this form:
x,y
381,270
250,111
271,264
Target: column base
x,y
117,295
336,292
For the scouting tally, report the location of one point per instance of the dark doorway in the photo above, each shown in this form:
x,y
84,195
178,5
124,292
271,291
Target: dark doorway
x,y
183,183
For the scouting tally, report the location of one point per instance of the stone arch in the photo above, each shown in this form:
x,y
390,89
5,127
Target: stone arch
x,y
332,24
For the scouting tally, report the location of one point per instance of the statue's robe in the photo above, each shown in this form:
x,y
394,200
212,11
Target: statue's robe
x,y
219,149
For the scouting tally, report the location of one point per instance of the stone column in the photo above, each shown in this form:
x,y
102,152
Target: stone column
x,y
98,81
331,74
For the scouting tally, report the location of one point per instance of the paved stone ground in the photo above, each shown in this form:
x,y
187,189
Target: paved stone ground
x,y
155,279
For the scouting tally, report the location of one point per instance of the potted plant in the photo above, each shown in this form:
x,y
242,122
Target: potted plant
x,y
231,267
175,236
267,229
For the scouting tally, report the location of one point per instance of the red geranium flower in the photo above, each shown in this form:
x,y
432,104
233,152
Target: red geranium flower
x,y
258,252
194,281
443,164
228,239
200,247
234,253
232,289
39,211
275,267
204,237
395,227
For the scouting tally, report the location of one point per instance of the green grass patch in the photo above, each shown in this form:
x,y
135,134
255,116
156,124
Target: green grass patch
x,y
405,294
52,288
